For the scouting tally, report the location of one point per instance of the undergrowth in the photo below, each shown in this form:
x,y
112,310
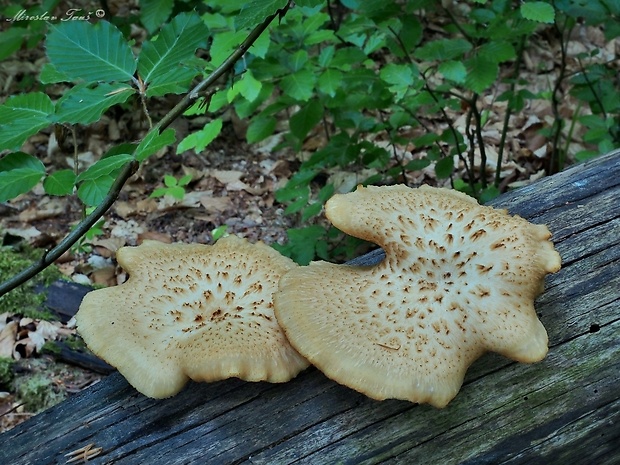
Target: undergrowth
x,y
371,79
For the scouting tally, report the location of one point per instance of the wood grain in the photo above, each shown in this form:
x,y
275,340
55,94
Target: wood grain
x,y
565,409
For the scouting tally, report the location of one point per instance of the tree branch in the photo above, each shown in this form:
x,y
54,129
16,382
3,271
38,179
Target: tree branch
x,y
52,255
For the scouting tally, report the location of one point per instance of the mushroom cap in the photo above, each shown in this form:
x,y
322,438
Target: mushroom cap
x,y
459,279
191,311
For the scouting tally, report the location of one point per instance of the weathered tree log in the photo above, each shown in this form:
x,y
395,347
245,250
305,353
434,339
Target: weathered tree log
x,y
565,409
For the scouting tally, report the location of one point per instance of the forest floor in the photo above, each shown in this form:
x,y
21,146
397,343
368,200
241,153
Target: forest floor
x,y
233,184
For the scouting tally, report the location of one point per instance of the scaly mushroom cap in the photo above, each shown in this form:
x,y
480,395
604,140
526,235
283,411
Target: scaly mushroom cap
x,y
192,311
459,279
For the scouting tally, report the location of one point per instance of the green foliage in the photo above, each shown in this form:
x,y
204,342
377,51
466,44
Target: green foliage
x,y
367,73
200,139
100,62
90,52
23,115
152,143
538,11
60,182
304,244
173,187
6,371
24,300
37,392
256,11
353,73
24,33
19,172
219,232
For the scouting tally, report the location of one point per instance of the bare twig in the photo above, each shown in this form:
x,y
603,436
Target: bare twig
x,y
130,168
502,140
479,138
557,159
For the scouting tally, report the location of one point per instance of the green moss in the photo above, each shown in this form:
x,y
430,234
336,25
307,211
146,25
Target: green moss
x,y
6,371
24,299
50,347
37,392
75,343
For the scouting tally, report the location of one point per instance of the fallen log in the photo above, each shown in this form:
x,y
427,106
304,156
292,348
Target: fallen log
x,y
565,409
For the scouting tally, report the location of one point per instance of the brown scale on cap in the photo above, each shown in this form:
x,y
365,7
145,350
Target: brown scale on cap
x,y
459,279
192,311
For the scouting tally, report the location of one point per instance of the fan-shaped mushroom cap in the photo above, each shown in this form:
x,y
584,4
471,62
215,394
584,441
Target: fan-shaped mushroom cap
x,y
192,311
459,279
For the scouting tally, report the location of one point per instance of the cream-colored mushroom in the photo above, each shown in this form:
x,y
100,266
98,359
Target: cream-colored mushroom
x,y
459,279
191,311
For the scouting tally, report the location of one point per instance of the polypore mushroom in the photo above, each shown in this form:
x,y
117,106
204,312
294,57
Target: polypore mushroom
x,y
191,311
459,279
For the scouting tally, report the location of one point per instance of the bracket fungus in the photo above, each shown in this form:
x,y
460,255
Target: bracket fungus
x,y
192,311
459,279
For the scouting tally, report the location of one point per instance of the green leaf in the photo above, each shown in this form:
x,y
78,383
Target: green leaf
x,y
85,105
443,49
257,11
154,13
223,45
21,160
91,52
50,75
454,71
540,12
22,116
219,232
498,51
259,128
11,40
444,167
200,139
60,183
326,55
302,243
411,32
330,81
104,167
418,164
170,181
185,180
153,142
177,192
93,191
297,60
481,73
176,42
309,3
310,211
19,172
249,86
489,193
176,81
400,78
299,85
304,120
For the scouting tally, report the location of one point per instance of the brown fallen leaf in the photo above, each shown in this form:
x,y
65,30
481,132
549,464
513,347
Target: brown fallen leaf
x,y
107,247
46,208
154,236
8,333
216,204
105,276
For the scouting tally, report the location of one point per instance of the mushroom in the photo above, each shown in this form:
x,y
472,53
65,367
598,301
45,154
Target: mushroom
x,y
191,311
458,280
